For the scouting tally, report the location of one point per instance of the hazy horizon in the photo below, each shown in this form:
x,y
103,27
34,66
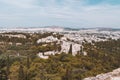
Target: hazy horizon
x,y
65,13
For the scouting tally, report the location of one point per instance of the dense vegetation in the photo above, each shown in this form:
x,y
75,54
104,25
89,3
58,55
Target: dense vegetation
x,y
101,57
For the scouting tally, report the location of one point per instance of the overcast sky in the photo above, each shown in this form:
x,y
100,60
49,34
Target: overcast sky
x,y
66,13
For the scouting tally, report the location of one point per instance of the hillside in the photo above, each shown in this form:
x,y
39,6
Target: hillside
x,y
114,75
58,55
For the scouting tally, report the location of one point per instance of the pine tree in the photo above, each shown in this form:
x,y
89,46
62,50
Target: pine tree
x,y
68,74
21,72
28,61
28,66
0,75
81,50
42,73
8,67
59,48
70,49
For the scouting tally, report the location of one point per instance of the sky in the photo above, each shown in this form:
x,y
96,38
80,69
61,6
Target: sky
x,y
65,13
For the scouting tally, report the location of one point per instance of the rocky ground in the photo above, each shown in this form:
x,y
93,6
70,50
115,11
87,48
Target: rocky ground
x,y
114,75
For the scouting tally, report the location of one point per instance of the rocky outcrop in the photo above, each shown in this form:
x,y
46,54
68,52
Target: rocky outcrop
x,y
115,75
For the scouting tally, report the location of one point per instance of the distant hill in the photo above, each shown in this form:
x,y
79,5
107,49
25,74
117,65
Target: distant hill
x,y
58,28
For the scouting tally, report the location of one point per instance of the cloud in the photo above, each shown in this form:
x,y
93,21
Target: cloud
x,y
96,2
20,3
84,13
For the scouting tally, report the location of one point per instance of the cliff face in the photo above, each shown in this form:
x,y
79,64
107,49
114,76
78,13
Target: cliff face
x,y
114,75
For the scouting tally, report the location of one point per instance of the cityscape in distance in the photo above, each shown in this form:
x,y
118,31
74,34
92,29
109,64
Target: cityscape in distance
x,y
59,39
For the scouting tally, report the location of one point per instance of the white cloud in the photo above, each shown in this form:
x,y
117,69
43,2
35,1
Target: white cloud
x,y
69,13
20,3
